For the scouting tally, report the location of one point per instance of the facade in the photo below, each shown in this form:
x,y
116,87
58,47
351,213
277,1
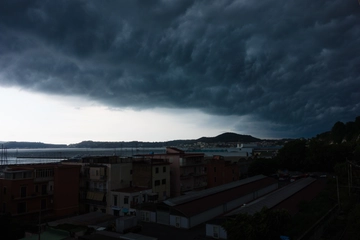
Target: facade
x,y
100,175
188,170
125,200
40,190
154,174
221,171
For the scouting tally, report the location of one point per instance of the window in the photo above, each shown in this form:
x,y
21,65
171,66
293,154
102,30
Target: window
x,y
4,191
116,212
36,188
163,181
43,204
43,189
126,200
115,200
23,191
131,171
4,207
216,231
164,169
21,207
156,170
214,179
214,169
157,182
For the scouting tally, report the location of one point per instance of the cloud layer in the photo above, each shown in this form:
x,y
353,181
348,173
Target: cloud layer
x,y
292,66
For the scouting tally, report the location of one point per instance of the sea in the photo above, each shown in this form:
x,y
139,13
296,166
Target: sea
x,y
48,155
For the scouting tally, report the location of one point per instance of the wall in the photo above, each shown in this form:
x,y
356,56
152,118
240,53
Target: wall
x,y
210,231
151,215
66,190
119,176
184,222
162,189
205,216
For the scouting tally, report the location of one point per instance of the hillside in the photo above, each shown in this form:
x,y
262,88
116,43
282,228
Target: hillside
x,y
342,132
222,138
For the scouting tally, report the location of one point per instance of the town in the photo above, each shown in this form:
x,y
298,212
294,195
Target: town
x,y
180,194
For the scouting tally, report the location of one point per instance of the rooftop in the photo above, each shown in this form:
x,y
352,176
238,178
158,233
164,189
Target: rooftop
x,y
204,193
273,198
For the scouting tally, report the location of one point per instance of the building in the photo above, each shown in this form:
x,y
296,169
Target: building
x,y
188,170
125,200
221,171
193,209
287,197
47,191
152,173
99,176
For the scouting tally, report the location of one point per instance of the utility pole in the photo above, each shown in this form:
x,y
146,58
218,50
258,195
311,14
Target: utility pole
x,y
350,176
337,187
40,222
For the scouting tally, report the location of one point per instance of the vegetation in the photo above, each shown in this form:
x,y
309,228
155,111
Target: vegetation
x,y
266,224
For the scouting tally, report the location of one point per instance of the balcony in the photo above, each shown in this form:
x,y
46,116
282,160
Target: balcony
x,y
43,179
97,178
94,202
200,174
191,164
32,195
103,190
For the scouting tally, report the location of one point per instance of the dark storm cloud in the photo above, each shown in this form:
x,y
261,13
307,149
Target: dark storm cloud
x,y
293,65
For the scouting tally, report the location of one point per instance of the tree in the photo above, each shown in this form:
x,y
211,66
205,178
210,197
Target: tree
x,y
338,132
263,166
293,155
266,224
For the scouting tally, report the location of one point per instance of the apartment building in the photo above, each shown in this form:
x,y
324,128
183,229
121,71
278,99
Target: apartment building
x,y
152,173
188,170
221,171
99,176
40,190
125,200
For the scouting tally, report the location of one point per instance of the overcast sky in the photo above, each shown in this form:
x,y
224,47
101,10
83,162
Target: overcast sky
x,y
163,70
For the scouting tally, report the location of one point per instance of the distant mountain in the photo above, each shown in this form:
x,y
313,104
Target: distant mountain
x,y
221,139
229,137
31,145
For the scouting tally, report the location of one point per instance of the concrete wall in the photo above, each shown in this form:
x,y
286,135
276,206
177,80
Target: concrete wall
x,y
161,173
212,228
147,216
183,221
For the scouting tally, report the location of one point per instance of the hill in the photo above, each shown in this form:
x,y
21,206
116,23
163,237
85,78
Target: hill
x,y
222,138
229,137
